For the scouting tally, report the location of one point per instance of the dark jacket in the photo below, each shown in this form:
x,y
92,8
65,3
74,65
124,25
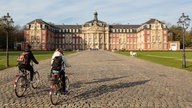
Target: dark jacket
x,y
31,57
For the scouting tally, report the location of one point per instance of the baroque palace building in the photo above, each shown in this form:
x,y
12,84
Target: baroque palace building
x,y
96,34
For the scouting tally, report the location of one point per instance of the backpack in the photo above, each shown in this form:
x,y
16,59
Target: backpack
x,y
57,63
23,58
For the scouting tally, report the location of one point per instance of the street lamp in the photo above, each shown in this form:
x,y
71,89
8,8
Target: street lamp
x,y
184,22
7,22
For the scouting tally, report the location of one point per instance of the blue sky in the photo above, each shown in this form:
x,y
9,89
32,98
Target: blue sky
x,y
109,11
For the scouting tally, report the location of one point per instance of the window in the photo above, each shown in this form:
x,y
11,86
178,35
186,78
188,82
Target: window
x,y
164,26
27,38
159,39
43,45
66,40
43,38
148,38
153,38
73,40
148,32
148,26
153,45
120,41
148,46
32,38
159,45
164,39
38,39
43,32
63,40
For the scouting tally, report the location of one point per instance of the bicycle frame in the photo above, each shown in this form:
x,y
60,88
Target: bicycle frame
x,y
56,80
56,86
22,81
23,73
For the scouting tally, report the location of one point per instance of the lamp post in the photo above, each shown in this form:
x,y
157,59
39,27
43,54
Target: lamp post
x,y
7,22
184,22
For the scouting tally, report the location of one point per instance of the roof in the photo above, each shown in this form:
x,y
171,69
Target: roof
x,y
69,26
152,20
40,21
98,22
124,26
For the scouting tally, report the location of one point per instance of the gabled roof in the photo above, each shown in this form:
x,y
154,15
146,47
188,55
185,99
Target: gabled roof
x,y
38,21
152,20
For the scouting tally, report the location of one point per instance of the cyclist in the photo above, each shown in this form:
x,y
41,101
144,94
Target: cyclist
x,y
59,53
30,57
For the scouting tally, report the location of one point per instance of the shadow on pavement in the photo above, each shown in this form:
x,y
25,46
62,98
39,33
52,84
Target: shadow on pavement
x,y
76,84
95,92
104,80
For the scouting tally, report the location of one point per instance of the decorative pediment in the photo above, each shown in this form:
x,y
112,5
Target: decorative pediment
x,y
95,28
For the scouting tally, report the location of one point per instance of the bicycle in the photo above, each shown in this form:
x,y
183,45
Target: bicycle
x,y
55,89
22,81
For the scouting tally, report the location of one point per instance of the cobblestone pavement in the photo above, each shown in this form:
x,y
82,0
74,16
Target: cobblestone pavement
x,y
102,79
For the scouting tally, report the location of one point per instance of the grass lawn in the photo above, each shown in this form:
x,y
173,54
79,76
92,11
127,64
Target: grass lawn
x,y
39,55
168,58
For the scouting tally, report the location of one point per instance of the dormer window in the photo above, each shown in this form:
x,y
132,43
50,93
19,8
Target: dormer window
x,y
164,26
27,26
148,26
43,26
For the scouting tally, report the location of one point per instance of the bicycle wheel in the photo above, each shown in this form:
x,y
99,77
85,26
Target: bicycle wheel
x,y
67,83
36,79
20,86
54,94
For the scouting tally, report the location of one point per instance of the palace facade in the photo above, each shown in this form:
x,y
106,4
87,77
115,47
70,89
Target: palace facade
x,y
96,34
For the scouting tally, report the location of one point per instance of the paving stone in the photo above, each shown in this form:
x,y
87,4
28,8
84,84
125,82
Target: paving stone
x,y
102,79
